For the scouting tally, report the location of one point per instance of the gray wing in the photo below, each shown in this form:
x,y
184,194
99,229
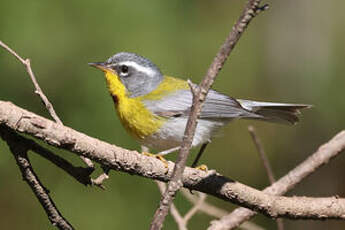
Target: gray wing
x,y
216,106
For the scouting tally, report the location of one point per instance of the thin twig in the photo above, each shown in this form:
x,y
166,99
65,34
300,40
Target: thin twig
x,y
262,154
199,95
19,152
280,224
26,62
181,223
214,211
101,178
206,207
197,206
266,163
209,182
38,90
175,182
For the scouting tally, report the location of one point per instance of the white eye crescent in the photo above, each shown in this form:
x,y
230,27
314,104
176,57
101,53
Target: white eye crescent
x,y
124,69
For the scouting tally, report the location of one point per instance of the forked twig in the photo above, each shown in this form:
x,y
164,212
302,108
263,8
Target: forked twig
x,y
38,90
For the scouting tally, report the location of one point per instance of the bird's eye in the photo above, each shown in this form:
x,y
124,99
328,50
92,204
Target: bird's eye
x,y
124,69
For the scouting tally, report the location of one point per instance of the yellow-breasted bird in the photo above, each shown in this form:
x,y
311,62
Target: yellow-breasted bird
x,y
154,108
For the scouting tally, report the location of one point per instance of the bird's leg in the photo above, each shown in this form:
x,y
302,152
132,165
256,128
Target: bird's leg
x,y
201,151
165,152
160,155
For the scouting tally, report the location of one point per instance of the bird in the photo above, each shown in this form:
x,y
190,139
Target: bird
x,y
154,107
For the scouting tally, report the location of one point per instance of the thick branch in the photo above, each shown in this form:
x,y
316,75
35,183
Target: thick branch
x,y
199,95
19,152
209,182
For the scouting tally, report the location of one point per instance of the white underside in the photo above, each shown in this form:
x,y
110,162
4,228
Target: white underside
x,y
171,133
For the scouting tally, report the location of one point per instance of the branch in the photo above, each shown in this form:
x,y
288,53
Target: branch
x,y
199,95
321,157
19,152
39,92
209,182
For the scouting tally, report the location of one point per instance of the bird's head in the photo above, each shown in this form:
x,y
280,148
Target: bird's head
x,y
130,72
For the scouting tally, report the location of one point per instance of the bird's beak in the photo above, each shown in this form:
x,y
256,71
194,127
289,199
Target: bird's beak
x,y
99,65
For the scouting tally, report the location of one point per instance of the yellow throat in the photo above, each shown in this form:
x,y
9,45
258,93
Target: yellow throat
x,y
134,116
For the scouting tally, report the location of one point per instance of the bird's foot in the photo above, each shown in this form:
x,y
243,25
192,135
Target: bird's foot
x,y
202,168
157,156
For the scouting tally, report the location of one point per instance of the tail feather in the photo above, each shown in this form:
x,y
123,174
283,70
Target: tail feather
x,y
274,112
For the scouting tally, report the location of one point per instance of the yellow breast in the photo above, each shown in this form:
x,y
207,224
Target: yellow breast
x,y
134,116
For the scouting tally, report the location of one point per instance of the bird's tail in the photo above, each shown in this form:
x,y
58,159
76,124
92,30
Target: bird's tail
x,y
274,112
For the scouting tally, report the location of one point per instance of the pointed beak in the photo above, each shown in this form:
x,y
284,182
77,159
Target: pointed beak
x,y
99,65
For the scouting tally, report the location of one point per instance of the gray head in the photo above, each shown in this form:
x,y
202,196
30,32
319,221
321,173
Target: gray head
x,y
139,75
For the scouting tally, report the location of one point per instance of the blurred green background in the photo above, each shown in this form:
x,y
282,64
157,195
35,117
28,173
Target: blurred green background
x,y
292,53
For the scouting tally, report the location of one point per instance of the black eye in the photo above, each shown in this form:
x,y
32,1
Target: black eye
x,y
124,69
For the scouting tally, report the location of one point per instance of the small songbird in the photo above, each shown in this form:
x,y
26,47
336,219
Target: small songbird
x,y
154,108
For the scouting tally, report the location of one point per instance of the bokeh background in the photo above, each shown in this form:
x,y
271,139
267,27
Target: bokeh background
x,y
294,52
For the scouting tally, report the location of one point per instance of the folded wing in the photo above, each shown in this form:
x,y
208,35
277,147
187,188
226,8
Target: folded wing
x,y
216,106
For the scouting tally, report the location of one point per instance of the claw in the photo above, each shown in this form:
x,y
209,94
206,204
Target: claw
x,y
202,167
157,156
